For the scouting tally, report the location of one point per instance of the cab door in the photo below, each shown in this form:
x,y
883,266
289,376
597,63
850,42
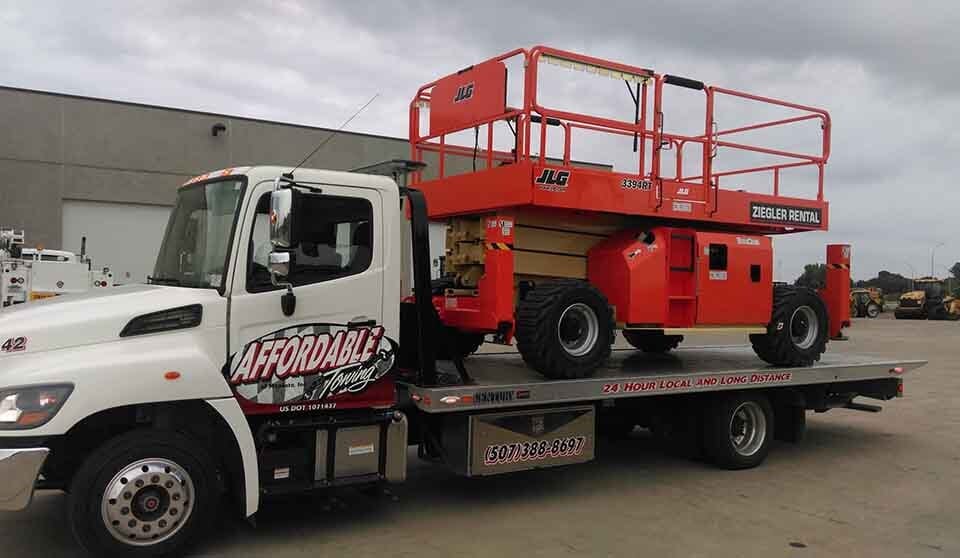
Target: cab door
x,y
337,273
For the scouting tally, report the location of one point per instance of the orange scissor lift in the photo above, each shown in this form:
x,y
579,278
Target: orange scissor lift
x,y
558,254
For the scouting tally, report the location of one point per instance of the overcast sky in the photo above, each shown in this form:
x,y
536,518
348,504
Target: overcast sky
x,y
889,72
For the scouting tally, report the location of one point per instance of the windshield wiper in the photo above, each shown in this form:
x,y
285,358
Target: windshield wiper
x,y
174,282
164,281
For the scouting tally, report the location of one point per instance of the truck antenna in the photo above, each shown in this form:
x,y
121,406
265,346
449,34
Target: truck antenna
x,y
331,136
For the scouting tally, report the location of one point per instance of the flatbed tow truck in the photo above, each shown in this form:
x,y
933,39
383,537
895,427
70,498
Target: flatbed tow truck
x,y
291,341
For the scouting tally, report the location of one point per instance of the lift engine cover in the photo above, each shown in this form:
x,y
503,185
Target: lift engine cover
x,y
530,439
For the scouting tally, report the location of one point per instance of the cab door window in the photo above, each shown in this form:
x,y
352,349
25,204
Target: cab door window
x,y
335,236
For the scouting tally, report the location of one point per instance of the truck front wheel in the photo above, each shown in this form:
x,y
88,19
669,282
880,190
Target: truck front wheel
x,y
797,333
565,329
143,493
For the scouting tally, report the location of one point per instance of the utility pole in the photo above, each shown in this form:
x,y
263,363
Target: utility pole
x,y
913,273
933,252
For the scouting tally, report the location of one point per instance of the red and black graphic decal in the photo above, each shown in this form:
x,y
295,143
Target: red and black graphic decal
x,y
553,177
313,366
464,92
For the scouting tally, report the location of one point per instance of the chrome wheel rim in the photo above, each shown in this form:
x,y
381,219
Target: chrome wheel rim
x,y
873,311
147,502
748,428
804,327
578,329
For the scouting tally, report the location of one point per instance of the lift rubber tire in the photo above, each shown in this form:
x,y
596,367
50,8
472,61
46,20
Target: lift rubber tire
x,y
797,333
873,309
178,515
657,343
459,344
565,329
738,429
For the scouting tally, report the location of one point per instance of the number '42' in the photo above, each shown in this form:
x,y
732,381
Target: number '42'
x,y
14,344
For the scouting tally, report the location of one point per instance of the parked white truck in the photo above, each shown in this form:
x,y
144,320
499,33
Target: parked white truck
x,y
276,352
28,274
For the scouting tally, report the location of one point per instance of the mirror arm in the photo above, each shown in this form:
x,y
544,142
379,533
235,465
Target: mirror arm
x,y
280,267
288,302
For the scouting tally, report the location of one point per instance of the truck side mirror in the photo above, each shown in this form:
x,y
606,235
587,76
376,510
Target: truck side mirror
x,y
282,232
280,264
283,238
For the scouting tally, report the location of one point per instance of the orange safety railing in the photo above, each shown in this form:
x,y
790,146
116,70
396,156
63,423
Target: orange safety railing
x,y
646,128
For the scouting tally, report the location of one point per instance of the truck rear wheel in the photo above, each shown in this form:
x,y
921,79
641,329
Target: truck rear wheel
x,y
565,329
144,493
797,333
738,429
652,341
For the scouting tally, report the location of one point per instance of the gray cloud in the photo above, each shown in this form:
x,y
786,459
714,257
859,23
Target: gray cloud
x,y
885,69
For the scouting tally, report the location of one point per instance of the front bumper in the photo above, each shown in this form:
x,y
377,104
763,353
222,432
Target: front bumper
x,y
910,312
19,469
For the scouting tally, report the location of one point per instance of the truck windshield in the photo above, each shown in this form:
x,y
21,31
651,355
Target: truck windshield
x,y
197,242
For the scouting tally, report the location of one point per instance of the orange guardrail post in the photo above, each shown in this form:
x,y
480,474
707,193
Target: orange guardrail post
x,y
837,291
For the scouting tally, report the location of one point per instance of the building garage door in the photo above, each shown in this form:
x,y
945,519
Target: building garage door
x,y
124,237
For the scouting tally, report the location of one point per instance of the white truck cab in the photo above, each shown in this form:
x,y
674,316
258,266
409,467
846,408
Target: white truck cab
x,y
207,352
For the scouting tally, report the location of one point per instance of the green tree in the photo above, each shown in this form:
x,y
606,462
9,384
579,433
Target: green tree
x,y
814,276
955,270
889,282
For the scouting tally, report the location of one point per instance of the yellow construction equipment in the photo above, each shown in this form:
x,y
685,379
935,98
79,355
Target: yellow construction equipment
x,y
866,303
928,301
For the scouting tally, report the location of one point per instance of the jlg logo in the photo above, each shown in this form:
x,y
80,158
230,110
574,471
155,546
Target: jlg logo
x,y
464,92
553,180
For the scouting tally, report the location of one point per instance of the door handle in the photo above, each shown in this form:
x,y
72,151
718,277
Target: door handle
x,y
361,323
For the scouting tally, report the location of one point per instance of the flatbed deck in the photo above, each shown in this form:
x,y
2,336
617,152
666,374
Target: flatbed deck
x,y
502,380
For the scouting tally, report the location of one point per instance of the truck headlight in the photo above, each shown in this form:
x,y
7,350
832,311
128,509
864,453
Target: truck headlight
x,y
30,407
